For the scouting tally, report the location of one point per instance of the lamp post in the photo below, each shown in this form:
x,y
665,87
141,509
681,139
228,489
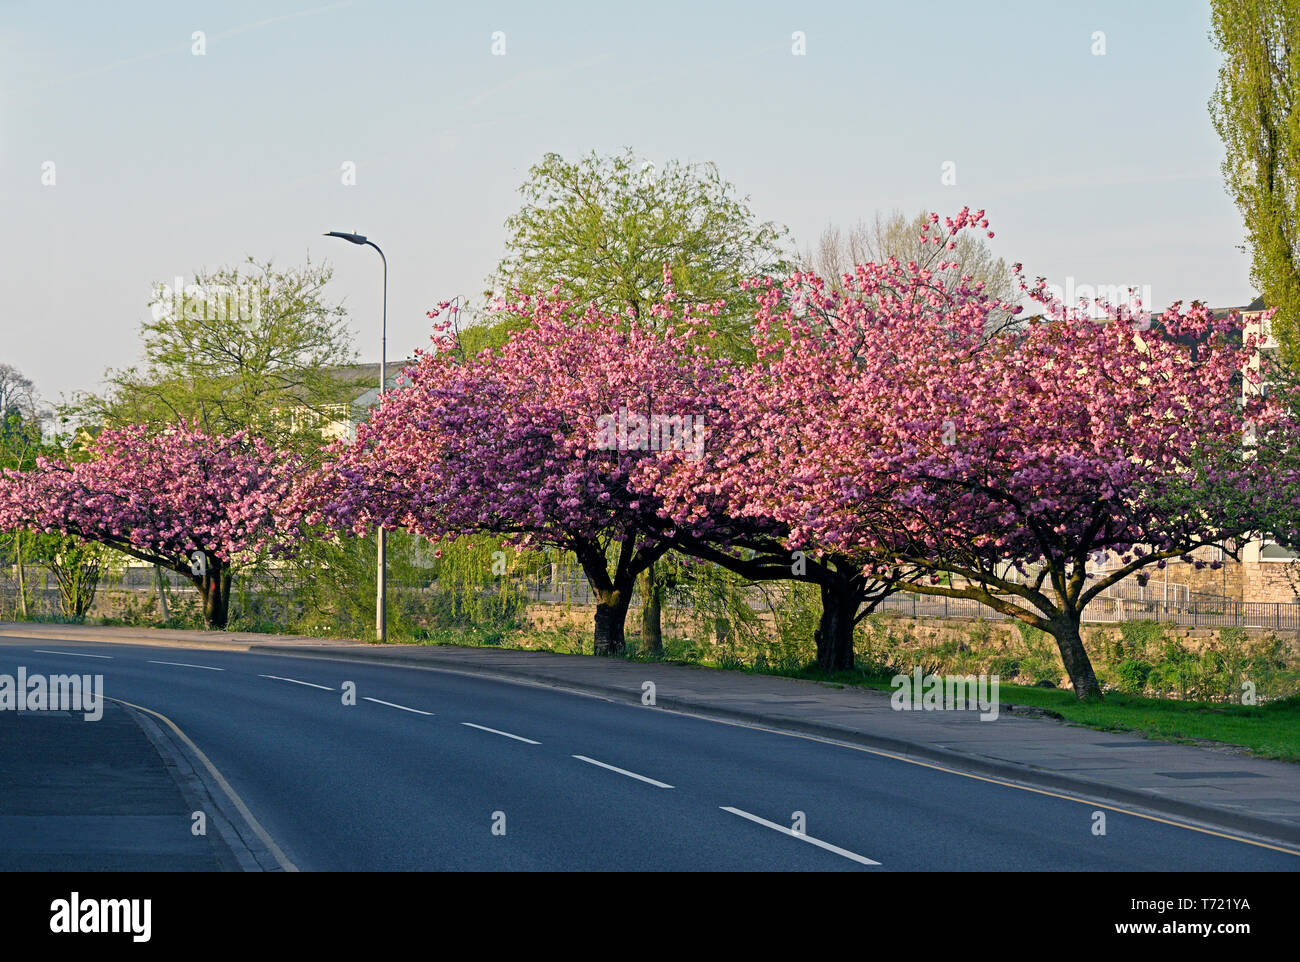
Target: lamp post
x,y
381,620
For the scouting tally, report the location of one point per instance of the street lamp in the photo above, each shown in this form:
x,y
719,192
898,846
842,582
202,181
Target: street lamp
x,y
381,620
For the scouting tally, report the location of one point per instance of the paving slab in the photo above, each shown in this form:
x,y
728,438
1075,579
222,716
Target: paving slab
x,y
79,795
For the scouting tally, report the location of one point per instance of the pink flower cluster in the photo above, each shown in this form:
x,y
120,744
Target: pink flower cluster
x,y
162,494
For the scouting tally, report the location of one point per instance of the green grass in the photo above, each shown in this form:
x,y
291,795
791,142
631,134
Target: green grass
x,y
1269,731
54,619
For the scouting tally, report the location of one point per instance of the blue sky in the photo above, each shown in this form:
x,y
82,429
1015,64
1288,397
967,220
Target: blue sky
x,y
1100,168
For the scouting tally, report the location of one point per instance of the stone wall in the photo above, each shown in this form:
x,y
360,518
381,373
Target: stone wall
x,y
1228,581
1004,635
1268,581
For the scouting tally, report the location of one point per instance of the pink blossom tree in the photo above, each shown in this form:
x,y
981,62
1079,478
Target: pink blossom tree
x,y
199,504
537,441
734,505
1078,444
781,466
1001,462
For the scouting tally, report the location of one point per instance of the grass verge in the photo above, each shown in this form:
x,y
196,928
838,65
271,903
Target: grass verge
x,y
1268,731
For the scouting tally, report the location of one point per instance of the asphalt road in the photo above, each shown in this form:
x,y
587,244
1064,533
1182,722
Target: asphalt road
x,y
418,773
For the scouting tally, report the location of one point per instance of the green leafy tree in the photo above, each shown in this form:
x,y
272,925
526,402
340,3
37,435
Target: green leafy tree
x,y
1256,111
250,347
244,348
19,403
606,226
77,567
21,439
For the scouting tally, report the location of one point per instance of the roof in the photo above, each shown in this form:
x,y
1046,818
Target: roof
x,y
369,371
1254,307
366,378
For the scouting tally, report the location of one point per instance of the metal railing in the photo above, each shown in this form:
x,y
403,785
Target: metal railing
x,y
1212,613
565,584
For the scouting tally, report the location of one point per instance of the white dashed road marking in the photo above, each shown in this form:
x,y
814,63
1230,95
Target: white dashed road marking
x,y
622,771
391,705
181,664
484,728
309,684
803,838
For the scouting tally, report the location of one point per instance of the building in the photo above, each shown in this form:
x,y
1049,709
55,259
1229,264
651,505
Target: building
x,y
340,420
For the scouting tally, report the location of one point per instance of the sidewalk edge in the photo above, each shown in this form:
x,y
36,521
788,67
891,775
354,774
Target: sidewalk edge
x,y
200,789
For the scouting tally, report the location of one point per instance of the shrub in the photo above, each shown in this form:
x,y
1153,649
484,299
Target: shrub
x,y
1004,666
1041,661
1131,676
981,632
1029,634
1139,638
1176,671
731,660
1233,637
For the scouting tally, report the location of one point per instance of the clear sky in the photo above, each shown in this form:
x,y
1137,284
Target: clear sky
x,y
1104,169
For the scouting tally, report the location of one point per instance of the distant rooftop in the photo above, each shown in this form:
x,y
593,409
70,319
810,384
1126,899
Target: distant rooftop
x,y
370,370
1217,312
366,376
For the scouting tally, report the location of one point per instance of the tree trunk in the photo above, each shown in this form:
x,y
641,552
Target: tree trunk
x,y
613,595
22,581
835,632
88,588
611,616
1078,666
214,590
652,612
162,593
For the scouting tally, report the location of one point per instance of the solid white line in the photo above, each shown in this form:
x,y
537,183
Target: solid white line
x,y
71,654
484,728
181,664
622,771
309,684
391,705
803,838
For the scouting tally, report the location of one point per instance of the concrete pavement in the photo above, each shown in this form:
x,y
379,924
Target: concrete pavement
x,y
98,796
